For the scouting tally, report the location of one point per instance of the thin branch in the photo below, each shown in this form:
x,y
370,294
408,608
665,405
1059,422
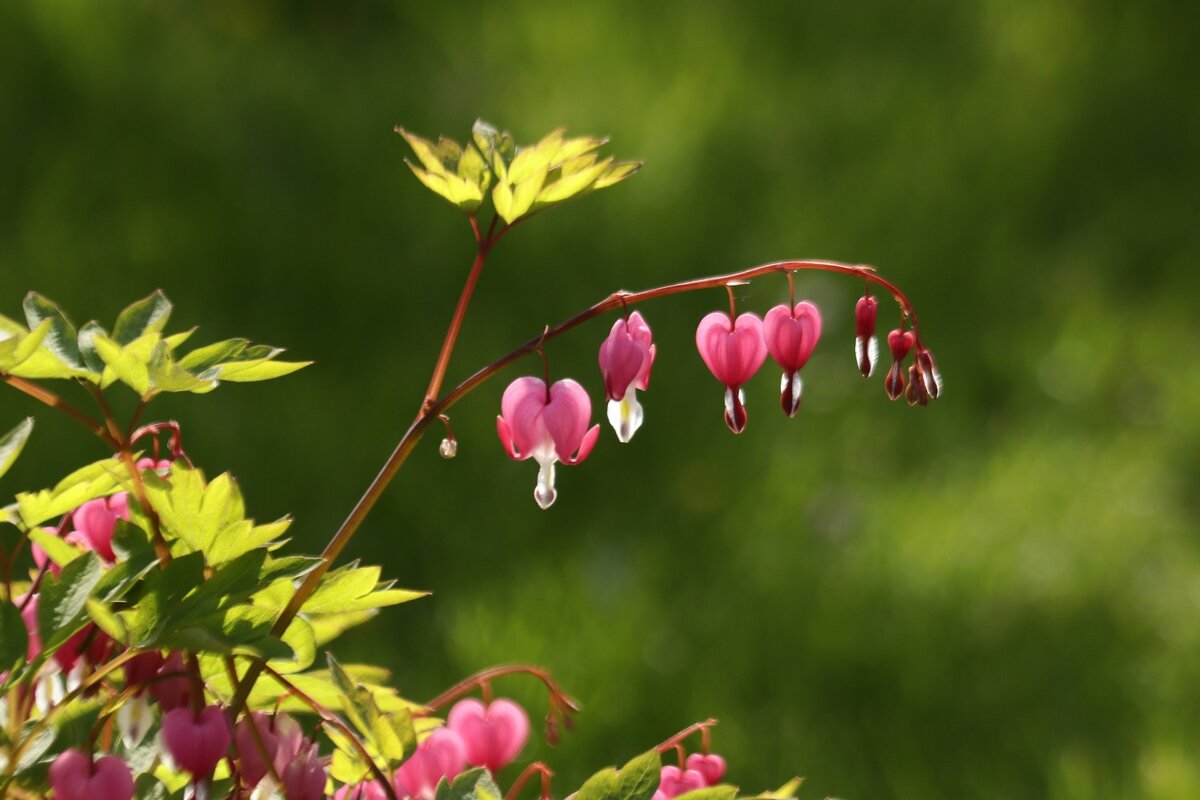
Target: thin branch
x,y
44,395
558,698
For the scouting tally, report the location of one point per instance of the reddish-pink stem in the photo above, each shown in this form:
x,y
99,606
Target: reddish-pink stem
x,y
527,773
558,698
677,740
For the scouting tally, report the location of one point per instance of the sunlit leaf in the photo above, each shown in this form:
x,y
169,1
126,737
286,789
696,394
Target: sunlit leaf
x,y
13,442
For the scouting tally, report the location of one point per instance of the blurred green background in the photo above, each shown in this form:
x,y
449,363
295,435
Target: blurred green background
x,y
994,597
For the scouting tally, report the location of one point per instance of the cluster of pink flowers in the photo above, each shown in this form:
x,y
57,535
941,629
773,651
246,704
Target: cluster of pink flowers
x,y
489,736
552,423
700,771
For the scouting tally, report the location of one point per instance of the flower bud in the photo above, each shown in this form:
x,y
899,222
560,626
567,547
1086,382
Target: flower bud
x,y
866,346
917,394
929,371
893,384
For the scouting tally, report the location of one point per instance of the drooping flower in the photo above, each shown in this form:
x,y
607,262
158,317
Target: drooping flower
x,y
930,372
281,736
75,776
790,335
442,755
866,346
304,776
171,693
626,357
899,342
733,350
674,781
196,741
547,425
96,520
710,765
493,734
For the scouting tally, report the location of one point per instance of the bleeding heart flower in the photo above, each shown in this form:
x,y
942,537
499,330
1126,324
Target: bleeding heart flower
x,y
442,755
626,357
493,735
899,342
75,776
96,520
733,352
866,346
547,426
304,776
710,765
196,741
281,736
930,373
366,790
171,693
673,781
790,335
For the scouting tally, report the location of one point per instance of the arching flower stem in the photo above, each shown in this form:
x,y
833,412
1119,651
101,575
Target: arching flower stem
x,y
431,409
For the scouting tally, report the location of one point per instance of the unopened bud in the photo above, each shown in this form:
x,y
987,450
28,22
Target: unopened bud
x,y
448,448
866,346
916,393
929,371
893,384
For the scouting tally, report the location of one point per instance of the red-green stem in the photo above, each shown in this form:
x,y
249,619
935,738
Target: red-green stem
x,y
526,774
677,739
558,698
460,312
432,411
48,397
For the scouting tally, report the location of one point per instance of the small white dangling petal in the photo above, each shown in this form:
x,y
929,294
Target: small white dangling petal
x,y
134,719
544,493
625,415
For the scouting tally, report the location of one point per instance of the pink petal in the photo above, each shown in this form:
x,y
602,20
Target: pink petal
x,y
732,353
511,724
621,359
521,407
111,780
567,416
711,766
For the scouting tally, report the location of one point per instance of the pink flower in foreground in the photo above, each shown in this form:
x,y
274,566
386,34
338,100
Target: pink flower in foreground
x,y
96,520
547,426
196,741
626,357
75,776
366,790
710,765
442,755
866,346
304,776
281,737
673,782
493,735
171,693
790,335
733,352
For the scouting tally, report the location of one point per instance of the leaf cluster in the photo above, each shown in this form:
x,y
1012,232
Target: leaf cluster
x,y
522,180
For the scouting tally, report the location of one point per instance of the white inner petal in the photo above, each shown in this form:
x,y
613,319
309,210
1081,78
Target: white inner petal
x,y
625,415
544,492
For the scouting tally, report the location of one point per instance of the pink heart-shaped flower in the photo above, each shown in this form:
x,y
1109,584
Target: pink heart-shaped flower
x,y
74,776
196,741
673,781
792,333
710,765
442,755
733,351
493,734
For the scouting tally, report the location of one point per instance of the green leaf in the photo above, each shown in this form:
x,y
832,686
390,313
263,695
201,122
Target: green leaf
x,y
162,594
17,344
61,600
13,637
62,341
355,589
204,358
102,614
637,780
148,315
193,511
785,792
98,479
168,376
13,442
719,792
474,784
616,173
125,364
300,638
261,370
57,549
87,346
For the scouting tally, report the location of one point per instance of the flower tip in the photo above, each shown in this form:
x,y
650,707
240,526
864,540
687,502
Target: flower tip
x,y
790,388
735,410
